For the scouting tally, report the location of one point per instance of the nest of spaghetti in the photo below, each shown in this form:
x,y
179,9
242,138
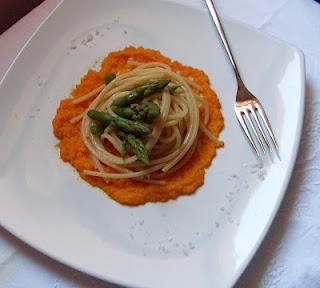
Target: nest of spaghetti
x,y
143,128
150,118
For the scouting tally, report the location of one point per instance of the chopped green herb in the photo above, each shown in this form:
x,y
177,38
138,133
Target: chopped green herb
x,y
109,77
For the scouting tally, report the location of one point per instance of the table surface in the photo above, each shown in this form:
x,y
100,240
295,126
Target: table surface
x,y
289,256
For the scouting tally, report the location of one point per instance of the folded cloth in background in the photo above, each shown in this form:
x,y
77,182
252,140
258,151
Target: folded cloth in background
x,y
12,10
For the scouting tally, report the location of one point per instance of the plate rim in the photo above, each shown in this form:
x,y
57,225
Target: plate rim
x,y
291,164
292,161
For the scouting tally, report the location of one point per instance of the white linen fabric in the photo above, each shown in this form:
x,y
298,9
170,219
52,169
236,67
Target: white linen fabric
x,y
289,256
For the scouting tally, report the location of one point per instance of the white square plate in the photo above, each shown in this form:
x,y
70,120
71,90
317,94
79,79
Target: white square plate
x,y
204,240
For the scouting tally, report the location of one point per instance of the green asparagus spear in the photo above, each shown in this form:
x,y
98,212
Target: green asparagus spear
x,y
152,110
109,77
141,92
173,88
144,112
138,147
97,128
102,117
130,126
120,123
125,112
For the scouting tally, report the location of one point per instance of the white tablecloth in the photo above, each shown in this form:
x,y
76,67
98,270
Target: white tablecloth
x,y
289,256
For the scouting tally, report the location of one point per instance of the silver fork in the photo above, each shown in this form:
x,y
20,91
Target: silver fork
x,y
247,105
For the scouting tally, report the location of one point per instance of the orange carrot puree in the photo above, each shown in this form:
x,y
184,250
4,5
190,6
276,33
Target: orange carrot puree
x,y
129,192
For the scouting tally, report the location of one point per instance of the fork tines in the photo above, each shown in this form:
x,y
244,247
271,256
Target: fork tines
x,y
248,113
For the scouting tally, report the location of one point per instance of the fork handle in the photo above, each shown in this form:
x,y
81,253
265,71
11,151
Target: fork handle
x,y
217,22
